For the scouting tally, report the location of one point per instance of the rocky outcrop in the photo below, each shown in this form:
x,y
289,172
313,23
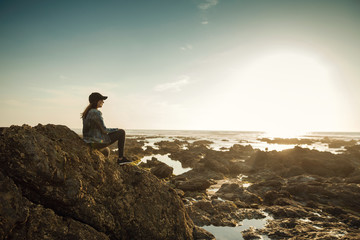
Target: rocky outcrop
x,y
196,184
235,192
219,213
251,234
22,219
299,161
202,234
159,169
310,194
162,171
330,192
53,184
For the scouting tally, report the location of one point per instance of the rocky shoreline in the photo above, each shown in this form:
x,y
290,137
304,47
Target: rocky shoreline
x,y
309,194
54,185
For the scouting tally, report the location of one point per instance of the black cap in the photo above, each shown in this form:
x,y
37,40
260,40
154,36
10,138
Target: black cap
x,y
95,97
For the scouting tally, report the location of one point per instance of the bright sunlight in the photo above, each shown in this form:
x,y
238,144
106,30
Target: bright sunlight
x,y
293,90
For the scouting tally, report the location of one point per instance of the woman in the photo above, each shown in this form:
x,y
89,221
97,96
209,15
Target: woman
x,y
94,130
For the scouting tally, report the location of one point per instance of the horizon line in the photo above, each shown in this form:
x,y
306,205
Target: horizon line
x,y
218,130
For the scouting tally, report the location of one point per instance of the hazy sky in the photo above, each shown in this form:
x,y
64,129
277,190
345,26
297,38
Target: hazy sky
x,y
274,65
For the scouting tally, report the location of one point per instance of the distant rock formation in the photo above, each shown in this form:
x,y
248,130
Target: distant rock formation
x,y
54,185
297,161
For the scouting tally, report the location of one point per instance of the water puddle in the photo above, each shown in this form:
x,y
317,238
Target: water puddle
x,y
178,169
234,233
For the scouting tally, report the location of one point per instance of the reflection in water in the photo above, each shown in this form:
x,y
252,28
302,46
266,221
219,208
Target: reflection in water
x,y
234,233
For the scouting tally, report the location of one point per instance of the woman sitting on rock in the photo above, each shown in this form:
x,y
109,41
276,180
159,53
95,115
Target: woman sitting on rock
x,y
94,131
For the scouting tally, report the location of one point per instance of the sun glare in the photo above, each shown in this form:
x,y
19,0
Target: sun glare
x,y
284,133
291,90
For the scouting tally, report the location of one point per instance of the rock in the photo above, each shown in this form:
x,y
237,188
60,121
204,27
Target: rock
x,y
43,223
240,149
261,188
241,204
287,211
289,223
169,146
317,190
235,192
218,213
54,168
335,211
202,234
250,234
299,161
193,185
339,143
19,218
280,235
259,160
307,229
212,162
158,168
204,174
273,197
282,201
353,179
150,163
180,192
14,208
133,148
162,171
353,221
200,157
201,195
200,218
188,158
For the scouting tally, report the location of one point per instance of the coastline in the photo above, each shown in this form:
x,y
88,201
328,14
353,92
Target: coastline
x,y
297,192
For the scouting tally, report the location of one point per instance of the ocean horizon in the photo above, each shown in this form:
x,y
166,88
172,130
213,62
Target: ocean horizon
x,y
221,140
171,132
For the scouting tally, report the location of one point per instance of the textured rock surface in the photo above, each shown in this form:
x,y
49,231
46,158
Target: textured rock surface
x,y
235,192
21,219
162,171
220,213
196,184
293,162
55,184
158,168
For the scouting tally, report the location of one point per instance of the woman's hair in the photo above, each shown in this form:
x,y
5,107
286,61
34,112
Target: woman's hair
x,y
87,109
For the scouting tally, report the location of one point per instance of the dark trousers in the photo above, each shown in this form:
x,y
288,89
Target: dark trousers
x,y
119,136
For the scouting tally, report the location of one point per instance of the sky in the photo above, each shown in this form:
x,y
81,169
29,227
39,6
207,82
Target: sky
x,y
259,65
